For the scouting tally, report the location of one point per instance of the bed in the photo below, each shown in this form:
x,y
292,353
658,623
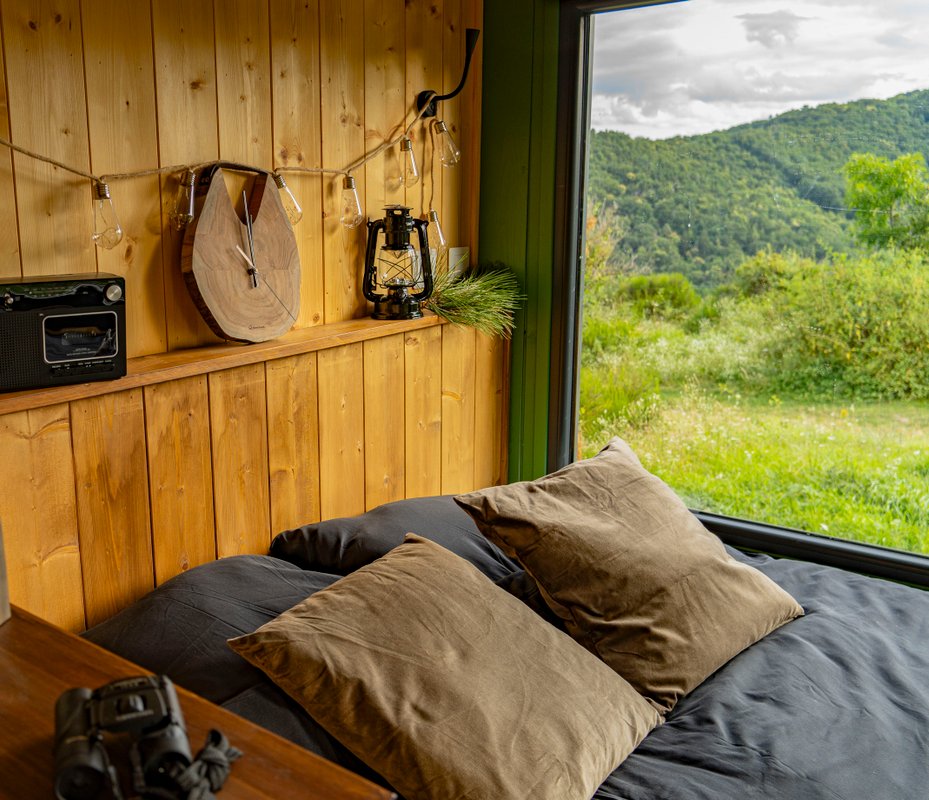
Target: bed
x,y
831,704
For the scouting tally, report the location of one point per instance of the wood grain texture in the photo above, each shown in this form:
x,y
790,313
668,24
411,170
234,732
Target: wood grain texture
x,y
123,135
489,410
39,514
10,264
472,13
239,434
217,273
293,441
177,429
185,83
384,428
422,355
450,113
110,471
458,348
48,113
243,81
39,662
341,432
297,136
342,107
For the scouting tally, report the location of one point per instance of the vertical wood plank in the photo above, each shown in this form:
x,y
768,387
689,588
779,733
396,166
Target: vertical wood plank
x,y
450,113
243,81
489,409
424,40
384,101
297,135
39,514
10,264
384,428
110,473
177,428
293,441
48,114
239,433
423,412
341,432
185,82
458,348
342,76
472,12
121,122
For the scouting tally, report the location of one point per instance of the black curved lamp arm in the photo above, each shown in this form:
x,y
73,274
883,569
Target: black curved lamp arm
x,y
427,98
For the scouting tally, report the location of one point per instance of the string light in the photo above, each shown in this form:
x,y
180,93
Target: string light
x,y
291,206
449,154
183,213
107,231
351,205
437,243
410,171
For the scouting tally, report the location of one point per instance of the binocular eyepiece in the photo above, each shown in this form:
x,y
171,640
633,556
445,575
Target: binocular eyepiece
x,y
145,707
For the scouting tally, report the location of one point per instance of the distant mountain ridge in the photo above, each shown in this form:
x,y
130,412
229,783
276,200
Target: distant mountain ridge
x,y
700,205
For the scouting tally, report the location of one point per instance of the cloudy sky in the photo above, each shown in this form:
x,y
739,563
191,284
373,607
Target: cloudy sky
x,y
704,65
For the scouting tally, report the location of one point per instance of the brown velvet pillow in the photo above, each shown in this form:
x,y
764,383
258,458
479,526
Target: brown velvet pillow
x,y
634,575
448,686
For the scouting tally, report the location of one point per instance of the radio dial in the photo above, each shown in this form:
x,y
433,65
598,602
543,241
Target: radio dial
x,y
7,299
114,293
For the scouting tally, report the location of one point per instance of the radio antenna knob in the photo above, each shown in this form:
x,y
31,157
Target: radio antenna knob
x,y
114,292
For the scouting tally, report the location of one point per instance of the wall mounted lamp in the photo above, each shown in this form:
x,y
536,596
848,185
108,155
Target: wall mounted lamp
x,y
427,98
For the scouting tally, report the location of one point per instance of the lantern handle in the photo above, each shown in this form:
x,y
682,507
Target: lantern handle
x,y
420,225
367,286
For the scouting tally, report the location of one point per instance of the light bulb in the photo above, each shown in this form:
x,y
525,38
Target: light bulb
x,y
449,154
107,231
183,212
351,205
410,170
291,206
438,247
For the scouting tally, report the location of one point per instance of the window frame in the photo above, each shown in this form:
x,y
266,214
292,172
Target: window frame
x,y
573,126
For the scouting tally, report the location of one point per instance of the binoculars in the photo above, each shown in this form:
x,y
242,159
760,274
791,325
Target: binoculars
x,y
145,707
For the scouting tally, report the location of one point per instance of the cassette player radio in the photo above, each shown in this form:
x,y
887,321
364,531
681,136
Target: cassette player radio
x,y
59,329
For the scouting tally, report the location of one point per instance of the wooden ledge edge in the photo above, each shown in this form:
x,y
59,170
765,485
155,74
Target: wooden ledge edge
x,y
161,367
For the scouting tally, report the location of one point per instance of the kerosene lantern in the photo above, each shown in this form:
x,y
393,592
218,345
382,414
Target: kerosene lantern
x,y
397,268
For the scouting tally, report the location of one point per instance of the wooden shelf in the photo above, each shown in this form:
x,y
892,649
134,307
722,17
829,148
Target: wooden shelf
x,y
147,370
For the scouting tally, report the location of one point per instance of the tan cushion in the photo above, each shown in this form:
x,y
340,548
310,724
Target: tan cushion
x,y
634,575
448,686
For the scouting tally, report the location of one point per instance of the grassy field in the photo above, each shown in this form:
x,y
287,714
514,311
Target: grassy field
x,y
857,471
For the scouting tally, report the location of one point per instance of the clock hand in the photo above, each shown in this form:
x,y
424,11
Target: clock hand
x,y
251,243
270,287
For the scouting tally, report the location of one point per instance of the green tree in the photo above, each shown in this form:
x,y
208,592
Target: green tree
x,y
890,199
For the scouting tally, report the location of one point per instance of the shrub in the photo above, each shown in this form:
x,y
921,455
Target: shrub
x,y
667,296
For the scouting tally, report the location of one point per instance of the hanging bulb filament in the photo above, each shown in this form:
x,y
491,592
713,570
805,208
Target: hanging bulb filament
x,y
351,205
410,170
449,154
183,212
291,206
107,231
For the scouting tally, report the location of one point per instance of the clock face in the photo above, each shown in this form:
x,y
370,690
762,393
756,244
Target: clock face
x,y
244,276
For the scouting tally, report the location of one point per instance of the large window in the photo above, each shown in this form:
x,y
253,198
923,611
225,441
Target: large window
x,y
755,314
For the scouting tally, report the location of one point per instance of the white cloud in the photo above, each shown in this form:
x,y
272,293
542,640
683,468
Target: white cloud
x,y
705,65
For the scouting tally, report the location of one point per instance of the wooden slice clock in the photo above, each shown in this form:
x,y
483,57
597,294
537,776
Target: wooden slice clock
x,y
243,275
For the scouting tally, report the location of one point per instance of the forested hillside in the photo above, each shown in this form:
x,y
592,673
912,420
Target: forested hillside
x,y
700,205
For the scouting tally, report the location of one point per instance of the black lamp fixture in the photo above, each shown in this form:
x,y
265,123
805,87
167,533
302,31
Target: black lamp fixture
x,y
397,268
427,98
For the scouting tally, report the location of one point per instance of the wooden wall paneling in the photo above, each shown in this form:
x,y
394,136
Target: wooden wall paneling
x,y
423,412
239,433
342,75
341,432
424,40
123,138
39,514
293,441
177,428
385,104
450,113
111,476
469,115
490,394
297,129
243,81
185,83
384,428
458,374
48,114
10,264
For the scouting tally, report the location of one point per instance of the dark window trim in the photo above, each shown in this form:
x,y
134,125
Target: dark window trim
x,y
574,75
